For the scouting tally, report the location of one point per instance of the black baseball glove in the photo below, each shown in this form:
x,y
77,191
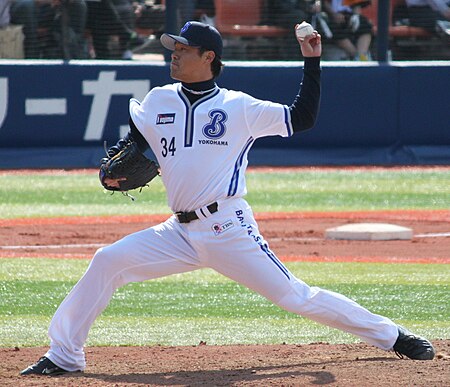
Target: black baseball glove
x,y
130,166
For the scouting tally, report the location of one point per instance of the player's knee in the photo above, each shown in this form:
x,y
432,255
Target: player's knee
x,y
108,264
295,299
106,259
98,262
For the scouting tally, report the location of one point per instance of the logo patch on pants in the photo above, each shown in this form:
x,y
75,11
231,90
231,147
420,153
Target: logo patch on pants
x,y
221,228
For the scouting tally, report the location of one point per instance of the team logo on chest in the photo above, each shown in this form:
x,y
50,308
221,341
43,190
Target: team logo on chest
x,y
216,128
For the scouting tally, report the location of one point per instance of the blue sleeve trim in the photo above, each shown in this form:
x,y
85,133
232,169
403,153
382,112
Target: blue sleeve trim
x,y
232,189
287,121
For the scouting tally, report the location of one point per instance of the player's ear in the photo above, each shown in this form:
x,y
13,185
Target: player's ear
x,y
209,56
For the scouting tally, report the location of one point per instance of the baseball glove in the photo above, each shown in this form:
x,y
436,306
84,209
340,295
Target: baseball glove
x,y
130,166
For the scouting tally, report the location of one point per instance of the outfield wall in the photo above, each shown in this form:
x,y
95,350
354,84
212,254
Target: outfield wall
x,y
56,114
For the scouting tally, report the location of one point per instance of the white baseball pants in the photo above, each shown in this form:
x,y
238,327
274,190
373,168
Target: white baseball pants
x,y
227,241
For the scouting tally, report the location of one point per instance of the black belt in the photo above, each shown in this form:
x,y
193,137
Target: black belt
x,y
186,217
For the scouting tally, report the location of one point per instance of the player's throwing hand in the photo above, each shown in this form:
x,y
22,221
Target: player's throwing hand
x,y
311,45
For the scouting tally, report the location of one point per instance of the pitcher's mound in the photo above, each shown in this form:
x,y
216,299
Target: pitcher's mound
x,y
369,232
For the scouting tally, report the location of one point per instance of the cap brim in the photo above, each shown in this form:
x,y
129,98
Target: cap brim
x,y
168,41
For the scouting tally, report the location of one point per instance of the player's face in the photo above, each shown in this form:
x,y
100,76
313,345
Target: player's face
x,y
188,65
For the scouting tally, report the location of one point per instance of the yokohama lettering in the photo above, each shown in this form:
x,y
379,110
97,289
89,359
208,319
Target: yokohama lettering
x,y
212,142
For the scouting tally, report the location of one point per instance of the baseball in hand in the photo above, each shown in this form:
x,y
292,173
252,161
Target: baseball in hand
x,y
303,29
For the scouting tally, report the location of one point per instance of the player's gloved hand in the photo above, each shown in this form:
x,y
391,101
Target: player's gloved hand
x,y
127,170
113,183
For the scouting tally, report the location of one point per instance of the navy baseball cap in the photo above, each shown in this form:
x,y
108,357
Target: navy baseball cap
x,y
195,34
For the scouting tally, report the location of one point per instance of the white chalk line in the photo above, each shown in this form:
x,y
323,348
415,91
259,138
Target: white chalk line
x,y
68,246
294,239
433,235
278,239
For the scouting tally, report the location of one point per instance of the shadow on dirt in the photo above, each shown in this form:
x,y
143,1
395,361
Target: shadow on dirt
x,y
218,377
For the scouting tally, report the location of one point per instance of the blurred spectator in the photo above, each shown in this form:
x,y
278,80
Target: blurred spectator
x,y
200,10
62,23
109,18
427,13
351,31
25,13
288,13
11,36
205,11
67,19
4,12
186,11
151,16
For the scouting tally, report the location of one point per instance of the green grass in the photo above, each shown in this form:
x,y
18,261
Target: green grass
x,y
186,308
306,190
344,190
72,195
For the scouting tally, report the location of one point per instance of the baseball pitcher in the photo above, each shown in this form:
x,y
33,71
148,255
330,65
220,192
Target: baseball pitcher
x,y
201,134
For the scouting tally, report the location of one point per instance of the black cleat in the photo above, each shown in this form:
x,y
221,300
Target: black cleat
x,y
44,366
412,346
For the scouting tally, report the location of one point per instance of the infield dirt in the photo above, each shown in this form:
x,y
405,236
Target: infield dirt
x,y
292,237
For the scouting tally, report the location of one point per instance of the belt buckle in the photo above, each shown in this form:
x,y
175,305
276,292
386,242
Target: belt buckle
x,y
181,216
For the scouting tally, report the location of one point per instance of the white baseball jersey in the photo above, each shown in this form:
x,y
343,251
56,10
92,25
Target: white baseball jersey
x,y
221,127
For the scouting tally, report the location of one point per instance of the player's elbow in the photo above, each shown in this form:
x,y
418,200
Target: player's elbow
x,y
303,115
307,122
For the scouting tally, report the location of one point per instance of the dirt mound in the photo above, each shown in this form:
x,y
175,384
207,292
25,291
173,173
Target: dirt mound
x,y
242,365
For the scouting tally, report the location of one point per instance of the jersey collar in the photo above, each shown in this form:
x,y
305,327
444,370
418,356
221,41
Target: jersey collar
x,y
199,87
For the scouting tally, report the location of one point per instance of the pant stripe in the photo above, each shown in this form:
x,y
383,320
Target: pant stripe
x,y
275,260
